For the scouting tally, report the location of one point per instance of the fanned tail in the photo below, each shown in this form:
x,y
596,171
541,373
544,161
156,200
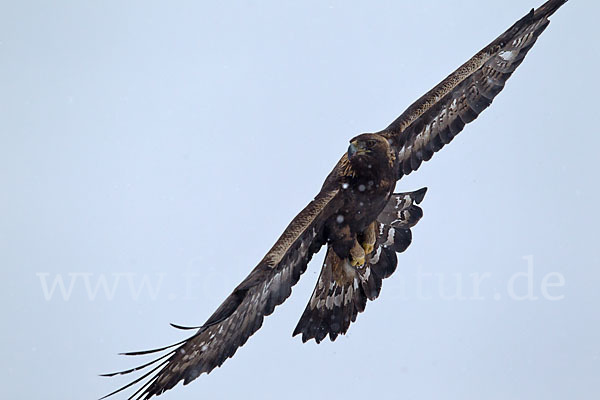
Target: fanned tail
x,y
342,290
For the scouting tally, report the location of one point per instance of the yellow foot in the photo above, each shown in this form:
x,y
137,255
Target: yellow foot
x,y
369,237
357,255
357,262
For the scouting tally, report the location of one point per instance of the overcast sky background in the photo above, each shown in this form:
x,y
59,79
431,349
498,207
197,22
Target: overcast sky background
x,y
171,143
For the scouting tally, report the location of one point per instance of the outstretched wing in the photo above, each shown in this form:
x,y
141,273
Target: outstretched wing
x,y
437,117
342,291
242,313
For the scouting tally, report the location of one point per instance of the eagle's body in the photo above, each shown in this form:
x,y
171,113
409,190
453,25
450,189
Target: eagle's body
x,y
365,182
356,214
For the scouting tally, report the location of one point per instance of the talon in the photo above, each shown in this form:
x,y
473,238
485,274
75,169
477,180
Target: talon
x,y
357,262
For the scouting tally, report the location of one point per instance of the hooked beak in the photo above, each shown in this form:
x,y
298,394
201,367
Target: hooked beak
x,y
352,149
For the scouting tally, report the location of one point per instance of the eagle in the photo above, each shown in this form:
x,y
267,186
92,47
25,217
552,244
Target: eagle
x,y
356,215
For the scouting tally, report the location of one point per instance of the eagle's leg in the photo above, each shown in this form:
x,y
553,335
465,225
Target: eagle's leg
x,y
357,255
346,245
369,237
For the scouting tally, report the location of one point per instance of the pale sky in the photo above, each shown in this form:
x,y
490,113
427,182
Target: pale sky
x,y
162,147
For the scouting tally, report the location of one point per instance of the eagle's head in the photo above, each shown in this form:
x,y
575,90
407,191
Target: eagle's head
x,y
371,150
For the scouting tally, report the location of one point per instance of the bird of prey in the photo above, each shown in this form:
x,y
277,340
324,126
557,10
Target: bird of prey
x,y
356,215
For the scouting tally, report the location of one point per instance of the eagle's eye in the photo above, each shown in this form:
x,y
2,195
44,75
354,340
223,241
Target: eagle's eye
x,y
371,143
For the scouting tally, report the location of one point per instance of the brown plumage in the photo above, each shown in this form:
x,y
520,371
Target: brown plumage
x,y
355,214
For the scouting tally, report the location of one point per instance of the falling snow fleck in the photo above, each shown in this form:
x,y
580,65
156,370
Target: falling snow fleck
x,y
362,188
340,219
345,186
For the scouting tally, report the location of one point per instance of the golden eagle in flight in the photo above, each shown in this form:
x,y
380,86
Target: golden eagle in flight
x,y
356,214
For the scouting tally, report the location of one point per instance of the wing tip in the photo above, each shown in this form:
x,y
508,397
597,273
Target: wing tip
x,y
548,8
184,328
